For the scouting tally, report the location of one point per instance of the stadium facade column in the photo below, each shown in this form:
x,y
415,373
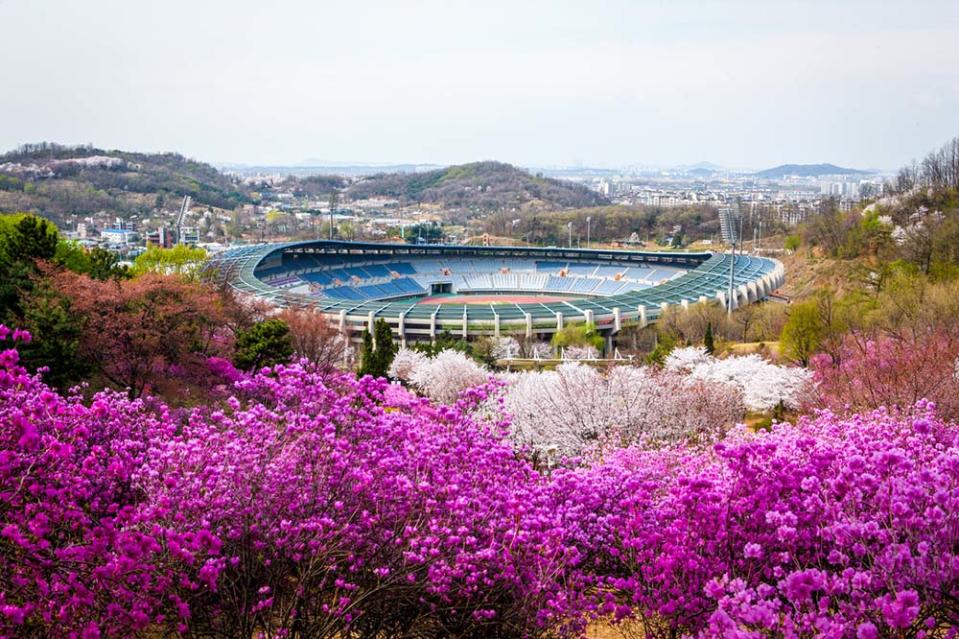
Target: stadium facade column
x,y
343,321
369,325
743,292
529,326
433,326
495,324
702,299
559,321
685,304
721,296
617,320
588,314
465,321
643,318
401,328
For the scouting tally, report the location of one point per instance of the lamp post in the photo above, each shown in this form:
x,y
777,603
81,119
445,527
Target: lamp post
x,y
589,219
569,228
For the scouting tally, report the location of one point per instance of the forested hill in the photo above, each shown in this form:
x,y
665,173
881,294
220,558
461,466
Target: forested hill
x,y
56,180
479,187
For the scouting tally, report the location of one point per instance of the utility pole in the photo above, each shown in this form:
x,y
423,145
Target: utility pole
x,y
333,199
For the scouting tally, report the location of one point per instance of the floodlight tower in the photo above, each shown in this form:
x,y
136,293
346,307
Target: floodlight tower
x,y
734,235
589,218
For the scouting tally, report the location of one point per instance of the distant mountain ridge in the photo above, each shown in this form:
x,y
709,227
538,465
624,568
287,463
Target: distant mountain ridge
x,y
478,186
808,170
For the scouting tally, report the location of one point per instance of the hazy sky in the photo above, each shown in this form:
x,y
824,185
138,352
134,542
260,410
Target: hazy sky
x,y
741,83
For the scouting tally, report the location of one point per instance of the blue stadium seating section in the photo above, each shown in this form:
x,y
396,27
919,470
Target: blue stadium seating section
x,y
329,277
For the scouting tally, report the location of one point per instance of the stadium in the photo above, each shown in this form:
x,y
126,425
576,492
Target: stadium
x,y
423,290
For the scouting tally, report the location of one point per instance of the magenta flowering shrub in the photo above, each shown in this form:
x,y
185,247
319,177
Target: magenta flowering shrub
x,y
70,562
317,505
307,505
831,528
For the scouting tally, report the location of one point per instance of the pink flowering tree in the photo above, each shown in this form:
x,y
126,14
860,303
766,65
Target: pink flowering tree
x,y
896,369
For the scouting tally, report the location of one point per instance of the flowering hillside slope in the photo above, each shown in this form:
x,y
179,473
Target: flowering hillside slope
x,y
317,505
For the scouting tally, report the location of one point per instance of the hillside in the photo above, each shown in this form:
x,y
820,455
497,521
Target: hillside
x,y
58,180
807,170
478,187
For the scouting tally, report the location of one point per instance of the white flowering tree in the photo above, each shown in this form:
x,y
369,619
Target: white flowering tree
x,y
405,362
763,384
685,359
576,408
505,347
445,376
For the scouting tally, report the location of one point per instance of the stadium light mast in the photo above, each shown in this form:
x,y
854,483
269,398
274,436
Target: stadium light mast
x,y
736,236
569,228
513,227
589,218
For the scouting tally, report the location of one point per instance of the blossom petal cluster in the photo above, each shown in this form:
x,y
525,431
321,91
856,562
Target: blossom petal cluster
x,y
764,385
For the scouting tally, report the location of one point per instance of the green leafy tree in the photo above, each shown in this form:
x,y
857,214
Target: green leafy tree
x,y
445,341
98,263
24,239
105,265
179,260
33,238
56,331
73,256
665,343
578,335
803,332
266,343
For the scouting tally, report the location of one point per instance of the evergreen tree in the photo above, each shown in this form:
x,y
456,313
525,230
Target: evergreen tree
x,y
375,359
385,347
266,343
708,339
366,355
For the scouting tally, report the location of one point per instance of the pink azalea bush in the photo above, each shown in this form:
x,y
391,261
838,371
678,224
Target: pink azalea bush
x,y
830,528
311,504
307,504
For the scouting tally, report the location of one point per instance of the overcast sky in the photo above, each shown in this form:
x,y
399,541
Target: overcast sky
x,y
741,83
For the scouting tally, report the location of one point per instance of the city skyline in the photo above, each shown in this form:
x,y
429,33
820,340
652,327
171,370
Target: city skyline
x,y
741,84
